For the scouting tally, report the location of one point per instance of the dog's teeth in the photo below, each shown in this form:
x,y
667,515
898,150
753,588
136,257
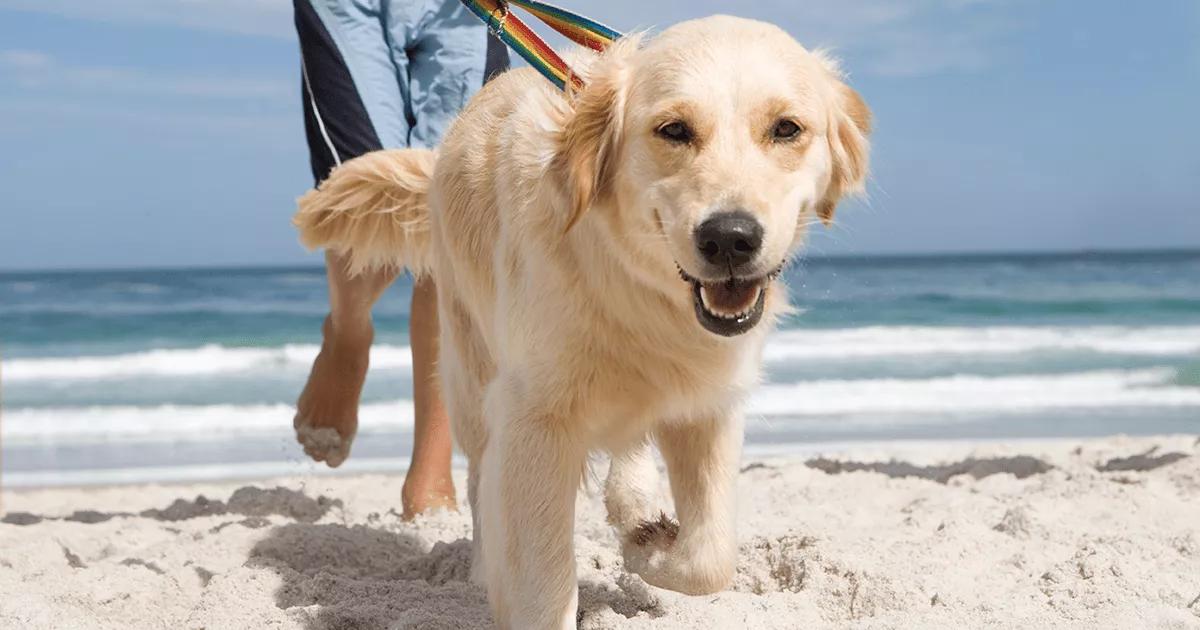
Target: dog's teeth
x,y
722,314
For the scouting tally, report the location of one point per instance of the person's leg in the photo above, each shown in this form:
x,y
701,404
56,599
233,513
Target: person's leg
x,y
327,412
354,102
348,81
428,484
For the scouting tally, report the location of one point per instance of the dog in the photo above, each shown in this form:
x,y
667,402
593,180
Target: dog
x,y
607,267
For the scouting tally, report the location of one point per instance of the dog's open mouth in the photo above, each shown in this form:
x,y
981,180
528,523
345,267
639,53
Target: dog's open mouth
x,y
731,306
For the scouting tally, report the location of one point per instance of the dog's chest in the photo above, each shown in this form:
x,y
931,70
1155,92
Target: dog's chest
x,y
675,382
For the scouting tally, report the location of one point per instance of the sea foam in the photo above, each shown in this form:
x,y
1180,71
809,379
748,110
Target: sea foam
x,y
784,346
900,401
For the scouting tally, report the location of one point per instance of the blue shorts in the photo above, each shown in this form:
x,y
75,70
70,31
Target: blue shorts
x,y
384,74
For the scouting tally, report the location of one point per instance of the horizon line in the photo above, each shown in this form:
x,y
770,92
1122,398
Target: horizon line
x,y
911,256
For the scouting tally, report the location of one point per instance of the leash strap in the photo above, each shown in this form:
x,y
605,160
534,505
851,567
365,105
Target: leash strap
x,y
501,21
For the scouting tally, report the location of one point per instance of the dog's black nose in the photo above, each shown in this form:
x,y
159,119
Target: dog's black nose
x,y
729,238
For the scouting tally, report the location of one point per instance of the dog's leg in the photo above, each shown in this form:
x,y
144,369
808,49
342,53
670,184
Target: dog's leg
x,y
697,555
464,403
631,491
478,574
463,366
530,475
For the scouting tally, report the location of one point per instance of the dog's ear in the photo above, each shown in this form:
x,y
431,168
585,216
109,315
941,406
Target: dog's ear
x,y
589,141
850,124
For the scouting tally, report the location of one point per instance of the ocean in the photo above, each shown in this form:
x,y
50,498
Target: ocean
x,y
114,376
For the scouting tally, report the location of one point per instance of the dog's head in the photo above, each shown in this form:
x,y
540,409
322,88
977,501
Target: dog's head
x,y
708,151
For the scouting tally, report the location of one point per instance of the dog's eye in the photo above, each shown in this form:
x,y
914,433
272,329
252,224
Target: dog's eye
x,y
786,129
676,131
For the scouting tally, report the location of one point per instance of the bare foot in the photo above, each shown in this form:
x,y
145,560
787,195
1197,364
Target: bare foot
x,y
423,493
327,412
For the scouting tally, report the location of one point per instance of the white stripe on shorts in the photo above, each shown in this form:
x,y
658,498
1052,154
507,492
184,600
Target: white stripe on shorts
x,y
317,114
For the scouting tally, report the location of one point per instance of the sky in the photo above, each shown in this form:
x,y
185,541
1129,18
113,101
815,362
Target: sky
x,y
164,133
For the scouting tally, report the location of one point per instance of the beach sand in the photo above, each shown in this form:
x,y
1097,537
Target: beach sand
x,y
1064,534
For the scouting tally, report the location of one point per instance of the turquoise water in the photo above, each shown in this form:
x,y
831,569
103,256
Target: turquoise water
x,y
142,371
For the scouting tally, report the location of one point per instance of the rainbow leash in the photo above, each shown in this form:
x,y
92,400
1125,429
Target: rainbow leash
x,y
500,19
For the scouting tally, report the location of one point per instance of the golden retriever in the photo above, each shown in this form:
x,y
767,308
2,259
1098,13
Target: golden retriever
x,y
607,265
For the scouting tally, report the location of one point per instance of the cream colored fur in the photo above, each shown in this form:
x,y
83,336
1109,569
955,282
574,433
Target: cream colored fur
x,y
375,210
553,227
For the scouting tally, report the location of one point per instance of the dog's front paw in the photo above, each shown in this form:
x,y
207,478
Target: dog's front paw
x,y
647,550
645,547
660,532
653,551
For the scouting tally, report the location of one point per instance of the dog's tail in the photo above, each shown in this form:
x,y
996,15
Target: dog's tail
x,y
374,209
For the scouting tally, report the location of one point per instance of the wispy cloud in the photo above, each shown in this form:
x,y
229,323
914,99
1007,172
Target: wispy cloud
x,y
39,71
904,38
270,18
885,37
163,121
911,38
25,60
915,48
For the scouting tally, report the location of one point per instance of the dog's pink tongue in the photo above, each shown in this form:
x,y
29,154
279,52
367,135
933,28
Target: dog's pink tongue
x,y
730,297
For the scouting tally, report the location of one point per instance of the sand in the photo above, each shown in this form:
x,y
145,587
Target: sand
x,y
1064,534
